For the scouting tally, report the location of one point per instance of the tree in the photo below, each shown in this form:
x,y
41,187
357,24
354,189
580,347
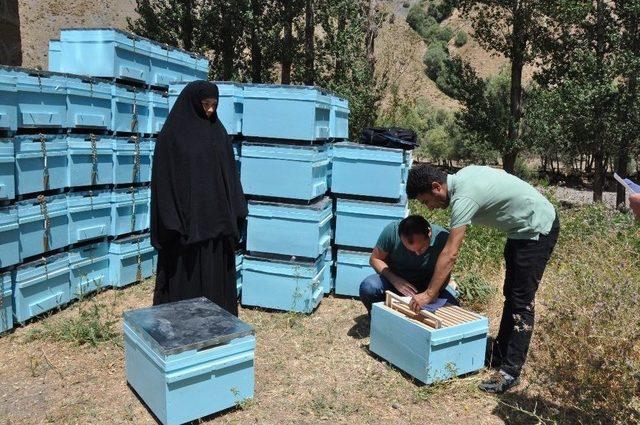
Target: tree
x,y
512,28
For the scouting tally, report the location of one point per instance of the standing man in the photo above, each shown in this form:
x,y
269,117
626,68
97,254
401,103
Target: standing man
x,y
490,197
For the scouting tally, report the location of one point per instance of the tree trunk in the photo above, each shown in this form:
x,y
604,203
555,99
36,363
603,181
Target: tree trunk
x,y
255,42
228,51
517,63
598,178
371,34
187,25
509,161
342,23
287,42
622,162
309,38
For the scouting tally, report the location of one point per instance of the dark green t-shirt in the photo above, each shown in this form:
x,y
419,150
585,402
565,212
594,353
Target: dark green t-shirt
x,y
415,269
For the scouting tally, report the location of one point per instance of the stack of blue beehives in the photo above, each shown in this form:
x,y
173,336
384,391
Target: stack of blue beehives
x,y
369,184
75,164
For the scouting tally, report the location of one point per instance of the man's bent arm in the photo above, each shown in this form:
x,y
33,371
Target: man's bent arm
x,y
445,262
379,264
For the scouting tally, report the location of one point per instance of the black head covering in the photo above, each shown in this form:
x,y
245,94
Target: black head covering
x,y
195,188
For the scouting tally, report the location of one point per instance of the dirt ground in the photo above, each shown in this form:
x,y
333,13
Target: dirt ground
x,y
308,369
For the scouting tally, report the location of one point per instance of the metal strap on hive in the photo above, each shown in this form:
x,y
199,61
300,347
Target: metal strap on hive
x,y
47,222
133,209
136,159
139,264
134,113
94,160
45,166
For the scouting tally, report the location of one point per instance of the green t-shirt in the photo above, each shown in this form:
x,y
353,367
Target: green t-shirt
x,y
415,269
494,198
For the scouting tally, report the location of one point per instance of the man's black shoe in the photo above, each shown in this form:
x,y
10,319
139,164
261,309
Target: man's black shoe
x,y
498,383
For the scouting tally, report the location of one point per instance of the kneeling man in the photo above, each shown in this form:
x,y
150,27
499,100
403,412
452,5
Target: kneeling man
x,y
404,259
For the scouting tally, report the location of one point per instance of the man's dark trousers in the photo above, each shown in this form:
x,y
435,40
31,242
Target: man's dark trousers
x,y
526,261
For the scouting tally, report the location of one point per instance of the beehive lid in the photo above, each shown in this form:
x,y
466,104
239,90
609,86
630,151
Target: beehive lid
x,y
186,325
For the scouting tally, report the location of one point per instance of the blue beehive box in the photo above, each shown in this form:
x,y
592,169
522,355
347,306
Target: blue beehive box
x,y
130,112
129,210
41,163
426,353
284,171
130,260
43,224
169,64
286,112
239,258
9,104
352,267
7,170
359,223
159,105
339,126
42,99
370,171
88,103
6,302
188,359
90,160
283,285
230,103
329,281
40,286
132,160
9,237
293,230
89,215
55,50
89,269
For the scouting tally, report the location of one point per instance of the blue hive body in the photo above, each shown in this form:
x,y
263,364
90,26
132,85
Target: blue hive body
x,y
9,96
89,103
293,230
6,302
286,112
7,170
159,104
132,160
363,170
41,163
352,268
188,359
339,126
89,215
329,281
359,223
129,210
283,285
89,267
9,237
284,171
90,160
428,354
130,260
42,99
44,225
130,112
40,286
239,258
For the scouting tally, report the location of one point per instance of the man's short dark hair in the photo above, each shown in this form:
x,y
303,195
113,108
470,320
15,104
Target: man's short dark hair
x,y
414,225
421,178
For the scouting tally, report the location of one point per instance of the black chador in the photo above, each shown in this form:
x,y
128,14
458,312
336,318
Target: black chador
x,y
197,204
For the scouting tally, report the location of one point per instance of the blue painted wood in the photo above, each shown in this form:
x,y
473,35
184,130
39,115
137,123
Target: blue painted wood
x,y
169,65
283,285
352,268
9,96
339,126
239,257
230,103
286,229
7,170
131,163
130,112
6,302
41,163
9,237
89,269
284,171
35,236
159,104
55,50
286,112
85,169
42,99
427,354
89,215
329,281
88,103
130,260
359,223
40,286
130,210
364,170
187,383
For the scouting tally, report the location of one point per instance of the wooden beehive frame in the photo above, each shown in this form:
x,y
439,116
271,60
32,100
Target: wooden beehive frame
x,y
446,316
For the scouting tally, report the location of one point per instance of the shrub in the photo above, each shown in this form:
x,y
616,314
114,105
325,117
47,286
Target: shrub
x,y
418,19
441,10
438,145
435,60
461,39
474,291
444,34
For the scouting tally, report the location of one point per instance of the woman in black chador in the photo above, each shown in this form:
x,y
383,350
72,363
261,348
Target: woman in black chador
x,y
197,203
